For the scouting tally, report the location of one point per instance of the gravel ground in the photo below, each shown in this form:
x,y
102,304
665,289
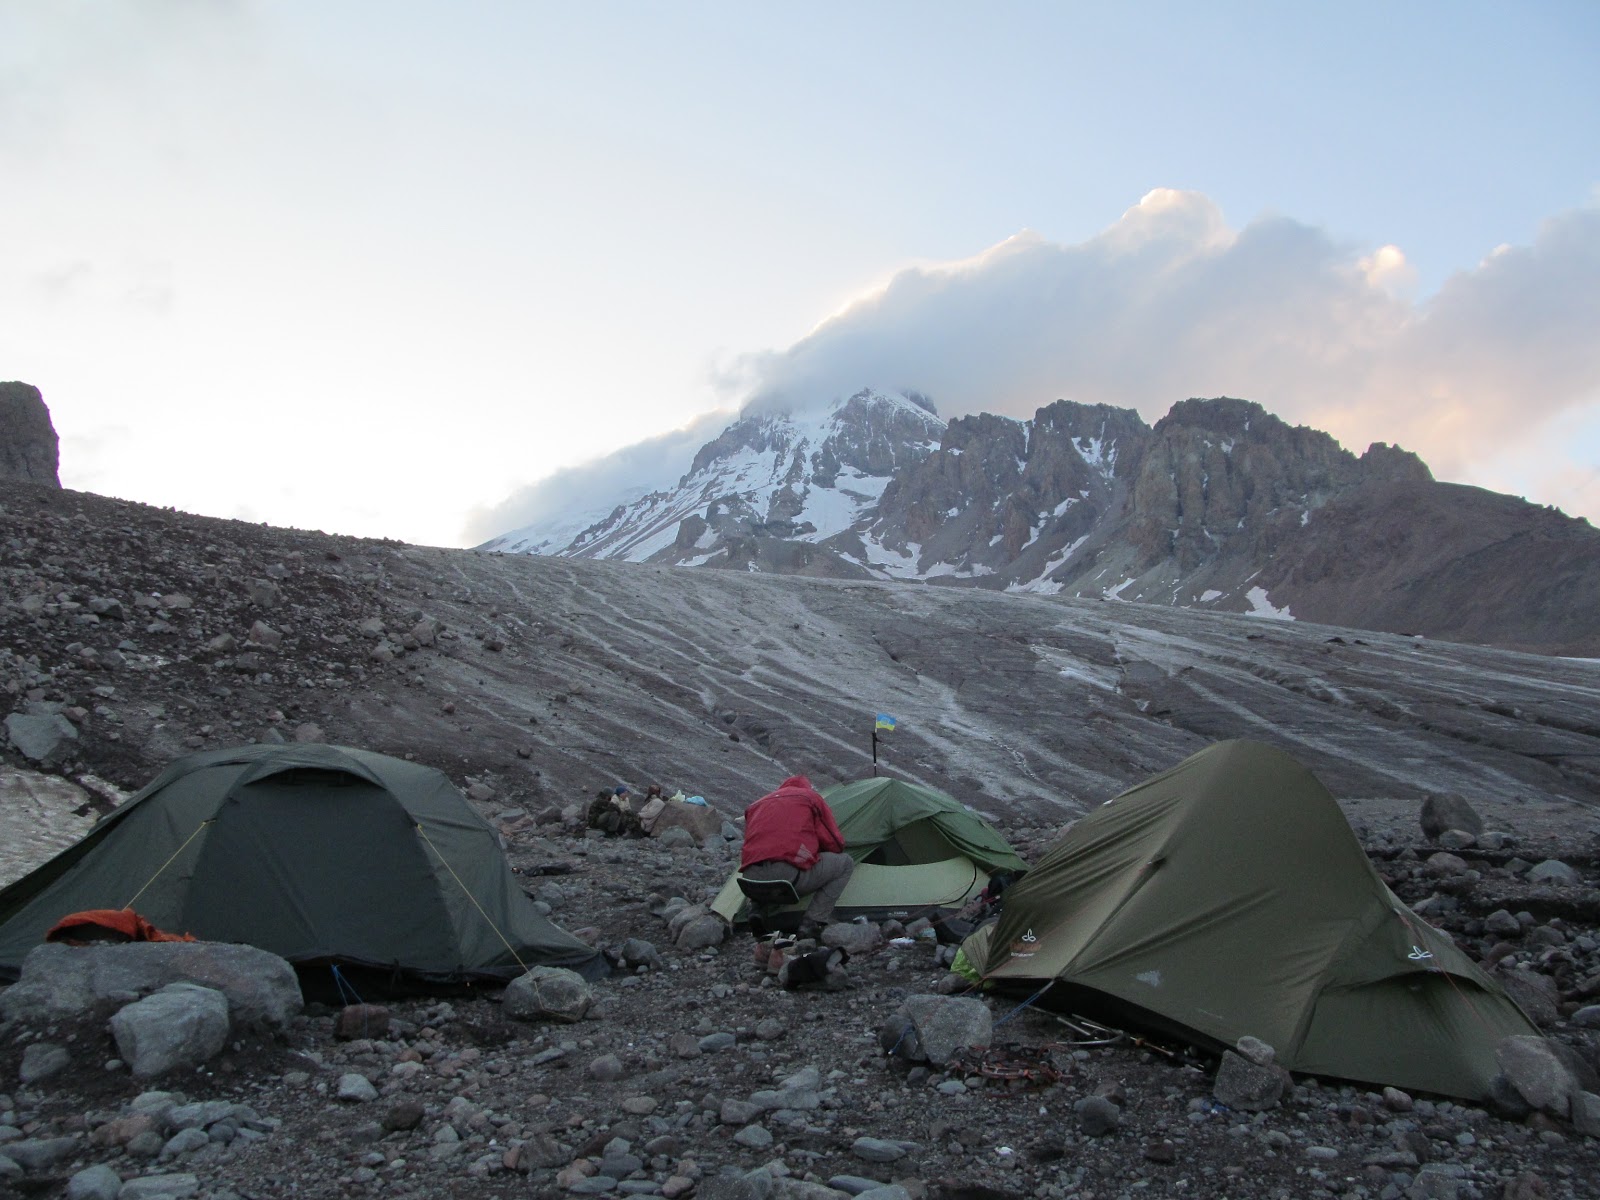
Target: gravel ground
x,y
668,1085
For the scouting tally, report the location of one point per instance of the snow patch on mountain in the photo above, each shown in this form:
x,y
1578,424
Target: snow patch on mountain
x,y
804,477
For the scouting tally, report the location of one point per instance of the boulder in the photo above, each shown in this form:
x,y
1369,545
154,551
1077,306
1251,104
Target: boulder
x,y
1586,1114
701,933
1442,811
700,820
45,738
1554,872
1097,1116
182,1025
856,939
547,993
1537,1074
941,1025
59,982
98,1182
1246,1086
1534,993
41,1154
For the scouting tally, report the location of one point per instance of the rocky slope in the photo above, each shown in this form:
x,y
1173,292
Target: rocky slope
x,y
150,633
132,634
1220,506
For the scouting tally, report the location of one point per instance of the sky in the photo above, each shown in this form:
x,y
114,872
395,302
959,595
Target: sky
x,y
390,269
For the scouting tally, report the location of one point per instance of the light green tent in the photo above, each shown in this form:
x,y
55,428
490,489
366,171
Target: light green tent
x,y
1229,896
917,851
320,854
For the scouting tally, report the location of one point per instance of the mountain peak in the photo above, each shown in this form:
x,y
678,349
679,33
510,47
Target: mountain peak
x,y
1217,506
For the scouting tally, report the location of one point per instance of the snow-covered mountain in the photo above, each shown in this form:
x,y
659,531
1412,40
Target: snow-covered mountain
x,y
801,481
1220,505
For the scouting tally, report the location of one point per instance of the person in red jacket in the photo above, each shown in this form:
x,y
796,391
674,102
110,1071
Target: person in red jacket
x,y
790,834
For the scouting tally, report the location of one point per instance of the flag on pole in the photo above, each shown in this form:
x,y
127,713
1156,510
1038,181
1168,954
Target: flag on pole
x,y
885,723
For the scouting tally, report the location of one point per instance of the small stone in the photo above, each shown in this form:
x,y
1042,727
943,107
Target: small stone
x,y
877,1150
1397,1101
1256,1050
356,1089
753,1137
1097,1116
607,1069
404,1114
1502,924
41,1060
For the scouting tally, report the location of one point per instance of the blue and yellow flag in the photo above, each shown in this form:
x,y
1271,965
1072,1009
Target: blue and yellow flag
x,y
886,723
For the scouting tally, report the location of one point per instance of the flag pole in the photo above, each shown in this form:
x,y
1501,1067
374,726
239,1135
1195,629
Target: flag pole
x,y
874,751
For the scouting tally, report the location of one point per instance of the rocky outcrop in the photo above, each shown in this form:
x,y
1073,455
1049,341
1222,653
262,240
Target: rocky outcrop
x,y
1226,475
29,448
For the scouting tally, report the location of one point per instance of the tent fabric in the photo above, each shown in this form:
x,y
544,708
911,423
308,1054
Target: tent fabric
x,y
916,849
1229,896
892,818
320,854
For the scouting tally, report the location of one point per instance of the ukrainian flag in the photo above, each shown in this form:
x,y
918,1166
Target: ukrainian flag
x,y
886,723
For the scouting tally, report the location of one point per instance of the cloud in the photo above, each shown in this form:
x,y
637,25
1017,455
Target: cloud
x,y
1170,302
580,495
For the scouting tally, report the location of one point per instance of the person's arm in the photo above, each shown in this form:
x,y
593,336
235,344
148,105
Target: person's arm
x,y
828,835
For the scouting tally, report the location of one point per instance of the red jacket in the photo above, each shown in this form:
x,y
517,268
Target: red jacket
x,y
791,825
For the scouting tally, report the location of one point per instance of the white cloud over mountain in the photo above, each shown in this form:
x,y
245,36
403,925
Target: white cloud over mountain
x,y
1171,302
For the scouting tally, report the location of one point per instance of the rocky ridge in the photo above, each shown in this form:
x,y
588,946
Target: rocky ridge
x,y
1220,506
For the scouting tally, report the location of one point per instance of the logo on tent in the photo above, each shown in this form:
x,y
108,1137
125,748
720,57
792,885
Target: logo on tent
x,y
1025,945
1418,954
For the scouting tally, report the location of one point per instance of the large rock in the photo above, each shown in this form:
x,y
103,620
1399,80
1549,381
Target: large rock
x,y
1534,993
855,938
1554,871
1447,810
29,448
701,821
547,993
182,1025
44,738
60,982
939,1026
1538,1074
1247,1086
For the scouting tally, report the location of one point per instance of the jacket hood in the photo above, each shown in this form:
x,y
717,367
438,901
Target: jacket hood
x,y
796,781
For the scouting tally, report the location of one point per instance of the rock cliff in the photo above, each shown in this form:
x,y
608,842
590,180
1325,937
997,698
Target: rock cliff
x,y
29,448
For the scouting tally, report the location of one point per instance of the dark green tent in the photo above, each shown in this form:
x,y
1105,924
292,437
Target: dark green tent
x,y
320,854
1229,896
917,850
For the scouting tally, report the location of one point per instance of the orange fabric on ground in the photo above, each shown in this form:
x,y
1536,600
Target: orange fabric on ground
x,y
117,921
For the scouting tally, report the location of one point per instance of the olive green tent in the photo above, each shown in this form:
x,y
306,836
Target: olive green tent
x,y
1229,896
917,850
320,854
